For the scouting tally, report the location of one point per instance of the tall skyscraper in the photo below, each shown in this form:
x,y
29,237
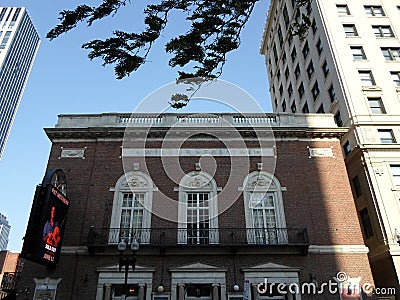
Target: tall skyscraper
x,y
349,65
4,232
19,42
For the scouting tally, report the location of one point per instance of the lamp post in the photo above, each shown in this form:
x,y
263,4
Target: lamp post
x,y
127,261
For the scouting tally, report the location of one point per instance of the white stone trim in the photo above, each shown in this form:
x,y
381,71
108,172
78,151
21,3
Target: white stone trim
x,y
111,275
46,285
335,249
140,152
72,153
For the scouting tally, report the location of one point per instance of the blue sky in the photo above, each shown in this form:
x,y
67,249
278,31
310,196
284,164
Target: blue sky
x,y
63,80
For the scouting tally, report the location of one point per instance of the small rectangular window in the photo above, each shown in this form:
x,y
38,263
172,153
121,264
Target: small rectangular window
x,y
376,105
343,9
338,119
374,11
358,53
396,78
395,170
366,223
346,148
386,136
350,30
391,54
5,40
366,78
382,31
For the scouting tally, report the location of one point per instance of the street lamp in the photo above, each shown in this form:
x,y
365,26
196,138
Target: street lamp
x,y
127,261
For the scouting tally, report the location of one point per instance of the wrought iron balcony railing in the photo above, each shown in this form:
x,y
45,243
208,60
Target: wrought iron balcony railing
x,y
169,237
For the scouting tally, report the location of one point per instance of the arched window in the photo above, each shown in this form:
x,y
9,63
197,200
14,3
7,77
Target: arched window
x,y
131,212
265,217
198,209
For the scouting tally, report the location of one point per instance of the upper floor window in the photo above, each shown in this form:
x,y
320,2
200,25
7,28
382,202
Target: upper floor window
x,y
319,46
297,71
301,90
325,69
338,119
314,26
284,105
386,136
358,53
321,109
5,40
293,54
350,30
310,69
357,186
305,50
346,148
264,212
343,9
376,105
315,90
396,78
366,78
290,90
395,170
391,54
198,209
374,10
285,16
366,223
287,73
332,93
305,108
132,206
384,31
280,36
280,90
293,107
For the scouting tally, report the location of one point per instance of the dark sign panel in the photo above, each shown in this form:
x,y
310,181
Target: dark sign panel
x,y
43,238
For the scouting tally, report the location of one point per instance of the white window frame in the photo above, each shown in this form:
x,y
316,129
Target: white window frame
x,y
264,182
198,182
46,287
133,182
395,174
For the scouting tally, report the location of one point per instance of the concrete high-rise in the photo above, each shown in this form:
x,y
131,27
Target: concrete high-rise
x,y
348,64
19,42
4,232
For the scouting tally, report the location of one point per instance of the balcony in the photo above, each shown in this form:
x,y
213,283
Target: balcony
x,y
236,239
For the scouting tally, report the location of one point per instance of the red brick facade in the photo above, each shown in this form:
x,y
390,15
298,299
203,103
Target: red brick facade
x,y
316,196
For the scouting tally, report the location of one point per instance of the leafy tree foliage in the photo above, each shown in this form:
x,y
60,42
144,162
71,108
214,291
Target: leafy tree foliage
x,y
215,30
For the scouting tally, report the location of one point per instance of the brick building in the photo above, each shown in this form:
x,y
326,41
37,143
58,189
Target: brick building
x,y
213,200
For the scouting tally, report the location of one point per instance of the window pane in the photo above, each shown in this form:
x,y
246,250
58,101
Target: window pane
x,y
395,169
350,30
358,53
376,105
366,78
386,136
